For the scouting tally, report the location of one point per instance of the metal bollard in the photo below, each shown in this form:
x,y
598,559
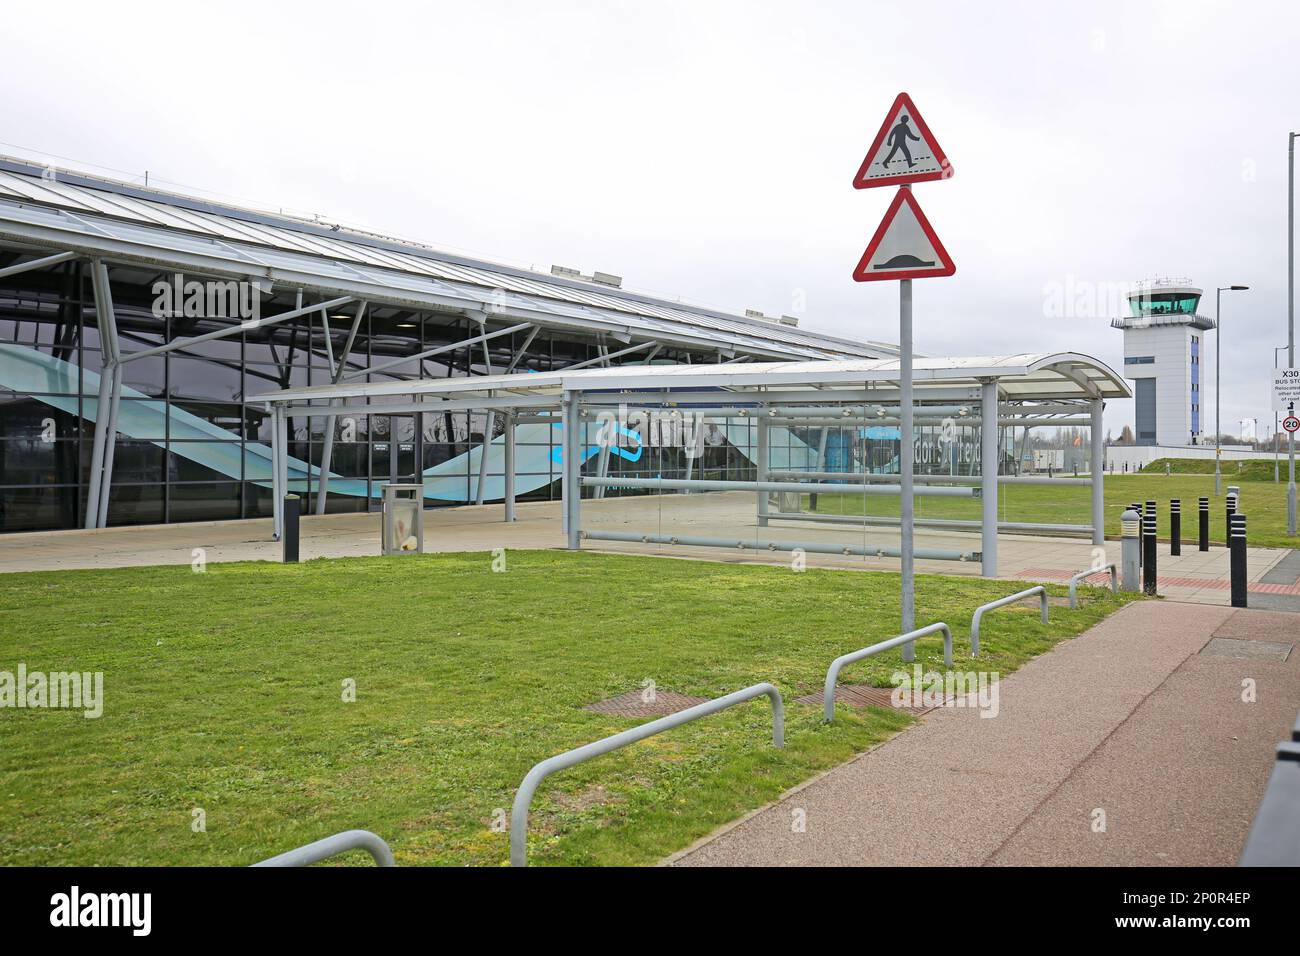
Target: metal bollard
x,y
1229,509
1205,523
1150,510
1175,528
289,542
1237,558
1149,552
1130,522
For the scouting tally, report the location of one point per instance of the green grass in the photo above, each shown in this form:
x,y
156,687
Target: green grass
x,y
1245,470
1263,502
223,692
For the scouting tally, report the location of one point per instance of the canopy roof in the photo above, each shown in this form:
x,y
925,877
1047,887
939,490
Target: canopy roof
x,y
1028,377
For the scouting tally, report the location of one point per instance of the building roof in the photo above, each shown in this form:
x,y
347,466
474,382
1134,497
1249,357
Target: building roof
x,y
1028,377
58,210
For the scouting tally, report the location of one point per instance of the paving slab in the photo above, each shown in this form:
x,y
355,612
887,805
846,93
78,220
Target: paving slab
x,y
1129,717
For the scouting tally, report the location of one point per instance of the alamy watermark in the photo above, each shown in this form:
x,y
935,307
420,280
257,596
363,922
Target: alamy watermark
x,y
922,688
178,297
656,428
55,690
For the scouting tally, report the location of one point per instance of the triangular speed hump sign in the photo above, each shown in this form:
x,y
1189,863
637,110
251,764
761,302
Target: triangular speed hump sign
x,y
904,151
904,246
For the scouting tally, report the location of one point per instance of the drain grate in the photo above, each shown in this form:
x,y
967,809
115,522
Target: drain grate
x,y
631,704
1250,650
862,695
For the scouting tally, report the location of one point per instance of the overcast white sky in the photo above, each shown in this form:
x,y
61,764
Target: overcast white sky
x,y
706,150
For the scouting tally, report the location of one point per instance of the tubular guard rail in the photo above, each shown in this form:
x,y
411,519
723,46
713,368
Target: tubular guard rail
x,y
812,547
1074,582
804,487
833,672
333,846
1002,602
571,758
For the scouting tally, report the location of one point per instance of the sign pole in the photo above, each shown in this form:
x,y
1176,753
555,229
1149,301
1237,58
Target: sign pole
x,y
905,458
904,248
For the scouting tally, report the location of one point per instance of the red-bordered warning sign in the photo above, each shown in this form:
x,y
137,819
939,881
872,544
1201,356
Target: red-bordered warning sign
x,y
904,246
904,151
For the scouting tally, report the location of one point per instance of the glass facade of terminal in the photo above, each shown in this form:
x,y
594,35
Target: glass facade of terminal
x,y
190,447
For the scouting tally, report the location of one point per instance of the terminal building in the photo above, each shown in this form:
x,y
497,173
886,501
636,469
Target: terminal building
x,y
1163,346
149,341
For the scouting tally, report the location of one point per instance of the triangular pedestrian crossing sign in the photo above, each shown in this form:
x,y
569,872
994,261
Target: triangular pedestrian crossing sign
x,y
904,151
904,246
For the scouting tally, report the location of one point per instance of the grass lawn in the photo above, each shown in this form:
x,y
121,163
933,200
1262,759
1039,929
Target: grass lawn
x,y
1263,502
223,691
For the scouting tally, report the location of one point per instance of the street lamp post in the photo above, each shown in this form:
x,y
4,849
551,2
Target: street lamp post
x,y
1290,322
1218,349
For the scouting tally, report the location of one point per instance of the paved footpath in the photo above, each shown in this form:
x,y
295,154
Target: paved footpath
x,y
1140,717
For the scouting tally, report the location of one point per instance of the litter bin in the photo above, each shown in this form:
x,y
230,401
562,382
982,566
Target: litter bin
x,y
403,519
789,502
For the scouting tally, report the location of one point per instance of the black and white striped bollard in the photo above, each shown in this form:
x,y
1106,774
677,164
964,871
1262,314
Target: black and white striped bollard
x,y
1175,528
1237,558
1205,524
1149,551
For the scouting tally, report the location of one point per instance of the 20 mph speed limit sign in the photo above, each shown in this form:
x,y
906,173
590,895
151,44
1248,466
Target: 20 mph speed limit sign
x,y
1291,424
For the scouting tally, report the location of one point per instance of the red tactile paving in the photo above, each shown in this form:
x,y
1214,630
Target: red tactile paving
x,y
632,704
1217,584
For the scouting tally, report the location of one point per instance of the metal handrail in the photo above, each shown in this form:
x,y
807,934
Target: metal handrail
x,y
805,487
1002,602
1074,582
333,846
571,758
833,672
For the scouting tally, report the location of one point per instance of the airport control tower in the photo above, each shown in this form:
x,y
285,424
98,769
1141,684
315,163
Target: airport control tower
x,y
1163,346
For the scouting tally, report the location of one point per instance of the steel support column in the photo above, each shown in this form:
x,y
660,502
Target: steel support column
x,y
762,454
336,373
1098,448
989,474
279,466
488,427
509,496
110,391
572,488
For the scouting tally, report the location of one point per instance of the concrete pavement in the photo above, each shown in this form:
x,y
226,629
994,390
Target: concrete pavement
x,y
1123,746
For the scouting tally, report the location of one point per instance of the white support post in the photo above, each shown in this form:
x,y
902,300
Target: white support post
x,y
1098,448
279,457
337,367
509,469
110,441
572,470
602,462
989,476
762,454
97,449
110,391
